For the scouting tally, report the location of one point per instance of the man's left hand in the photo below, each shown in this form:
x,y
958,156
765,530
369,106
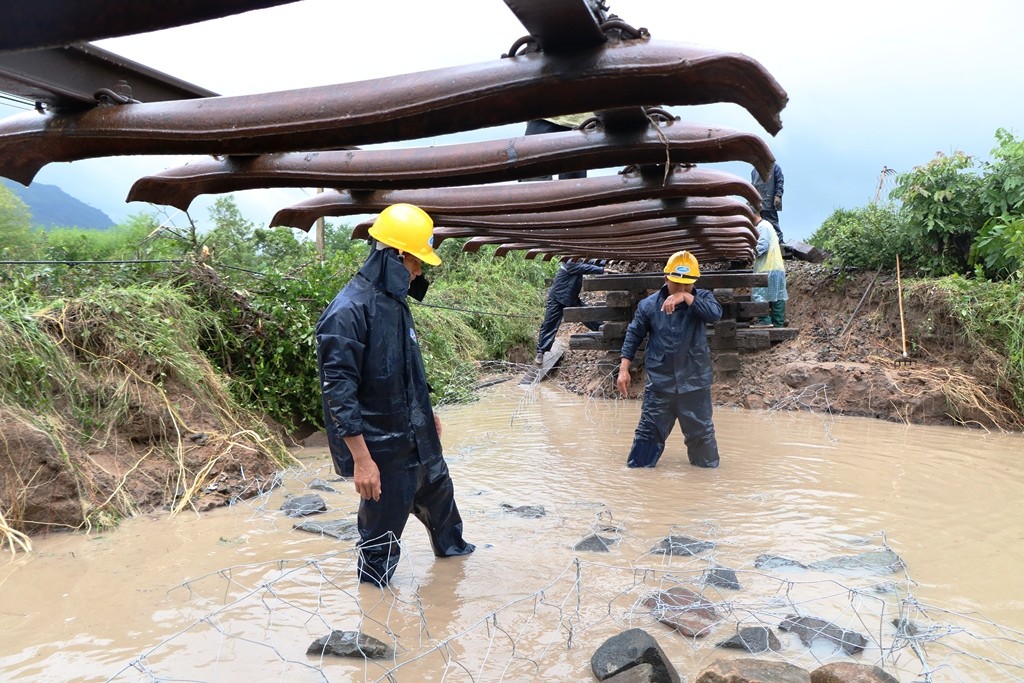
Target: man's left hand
x,y
437,423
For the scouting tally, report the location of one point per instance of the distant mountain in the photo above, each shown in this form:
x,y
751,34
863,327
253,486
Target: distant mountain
x,y
52,207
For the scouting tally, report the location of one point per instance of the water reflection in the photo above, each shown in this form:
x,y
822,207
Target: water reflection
x,y
238,595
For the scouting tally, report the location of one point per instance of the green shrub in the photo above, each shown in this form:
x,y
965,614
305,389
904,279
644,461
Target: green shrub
x,y
941,204
999,247
868,237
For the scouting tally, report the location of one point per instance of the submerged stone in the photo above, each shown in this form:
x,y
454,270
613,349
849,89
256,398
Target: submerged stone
x,y
721,577
528,511
322,485
684,610
595,544
681,545
349,644
767,561
872,562
341,529
810,629
753,639
300,506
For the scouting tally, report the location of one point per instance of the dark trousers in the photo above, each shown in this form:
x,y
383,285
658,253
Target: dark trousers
x,y
425,491
772,216
659,414
549,326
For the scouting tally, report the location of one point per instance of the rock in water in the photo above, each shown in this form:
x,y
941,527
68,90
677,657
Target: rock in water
x,y
810,629
681,545
753,639
300,506
350,644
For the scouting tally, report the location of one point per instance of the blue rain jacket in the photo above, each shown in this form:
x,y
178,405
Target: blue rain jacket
x,y
568,282
771,187
678,356
371,370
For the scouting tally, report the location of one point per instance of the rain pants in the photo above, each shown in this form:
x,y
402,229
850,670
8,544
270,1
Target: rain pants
x,y
373,383
679,377
565,291
771,187
769,260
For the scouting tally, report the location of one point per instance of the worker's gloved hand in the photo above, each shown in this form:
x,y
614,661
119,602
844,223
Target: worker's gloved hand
x,y
418,288
778,203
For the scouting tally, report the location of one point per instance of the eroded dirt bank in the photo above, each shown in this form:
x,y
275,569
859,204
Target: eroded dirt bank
x,y
948,381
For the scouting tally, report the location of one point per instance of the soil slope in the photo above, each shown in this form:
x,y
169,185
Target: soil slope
x,y
947,380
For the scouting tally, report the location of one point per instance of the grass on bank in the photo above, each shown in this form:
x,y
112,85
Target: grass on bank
x,y
991,315
109,371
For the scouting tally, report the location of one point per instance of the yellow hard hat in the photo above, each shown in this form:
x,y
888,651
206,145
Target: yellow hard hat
x,y
682,267
407,228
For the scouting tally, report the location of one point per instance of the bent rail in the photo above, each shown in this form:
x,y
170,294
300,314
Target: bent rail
x,y
452,165
616,75
521,197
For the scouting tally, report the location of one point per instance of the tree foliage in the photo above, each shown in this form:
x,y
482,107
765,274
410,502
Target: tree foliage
x,y
942,209
867,237
952,215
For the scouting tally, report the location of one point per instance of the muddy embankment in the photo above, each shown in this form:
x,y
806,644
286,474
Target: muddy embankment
x,y
859,372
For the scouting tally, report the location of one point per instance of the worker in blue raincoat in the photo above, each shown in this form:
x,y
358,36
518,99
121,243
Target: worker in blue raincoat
x,y
381,428
771,190
679,372
564,291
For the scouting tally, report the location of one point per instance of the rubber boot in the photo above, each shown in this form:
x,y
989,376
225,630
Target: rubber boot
x,y
645,454
778,312
703,450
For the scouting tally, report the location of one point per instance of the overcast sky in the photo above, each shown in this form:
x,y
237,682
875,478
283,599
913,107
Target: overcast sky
x,y
870,83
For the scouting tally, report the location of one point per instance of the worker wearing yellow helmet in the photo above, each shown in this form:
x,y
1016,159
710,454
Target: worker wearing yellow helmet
x,y
381,428
679,374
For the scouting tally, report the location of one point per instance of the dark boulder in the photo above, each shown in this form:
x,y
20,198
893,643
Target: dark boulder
x,y
722,578
753,639
350,644
300,506
810,629
681,545
630,649
595,544
341,529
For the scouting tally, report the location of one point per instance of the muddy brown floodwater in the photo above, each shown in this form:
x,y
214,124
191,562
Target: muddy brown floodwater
x,y
239,595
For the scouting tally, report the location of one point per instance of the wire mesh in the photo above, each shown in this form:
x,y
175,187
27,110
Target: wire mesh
x,y
259,619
